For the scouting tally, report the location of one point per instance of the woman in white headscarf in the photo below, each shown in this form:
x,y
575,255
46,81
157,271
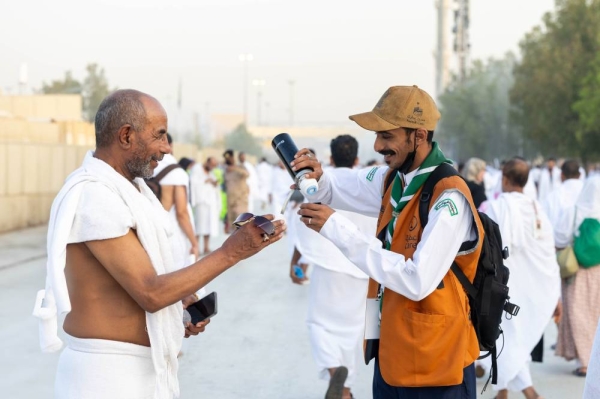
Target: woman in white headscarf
x,y
581,292
473,173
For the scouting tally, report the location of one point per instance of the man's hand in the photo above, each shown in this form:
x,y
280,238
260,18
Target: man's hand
x,y
306,159
558,312
251,239
314,216
188,300
295,278
191,329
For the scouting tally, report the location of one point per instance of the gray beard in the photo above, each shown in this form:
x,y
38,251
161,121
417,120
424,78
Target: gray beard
x,y
140,168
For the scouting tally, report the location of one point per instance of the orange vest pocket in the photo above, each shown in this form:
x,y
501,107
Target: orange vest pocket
x,y
423,349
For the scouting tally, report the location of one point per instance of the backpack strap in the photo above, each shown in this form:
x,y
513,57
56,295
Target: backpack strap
x,y
165,171
441,172
389,179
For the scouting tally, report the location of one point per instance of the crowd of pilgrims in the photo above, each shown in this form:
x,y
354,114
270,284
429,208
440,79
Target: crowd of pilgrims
x,y
556,194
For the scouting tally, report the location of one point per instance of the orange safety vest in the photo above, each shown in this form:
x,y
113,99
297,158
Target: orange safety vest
x,y
426,343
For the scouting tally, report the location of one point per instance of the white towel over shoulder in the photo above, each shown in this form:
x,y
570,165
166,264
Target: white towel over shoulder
x,y
73,218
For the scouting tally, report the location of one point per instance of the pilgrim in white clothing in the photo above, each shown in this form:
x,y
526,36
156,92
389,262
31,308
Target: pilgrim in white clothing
x,y
581,292
97,203
206,200
280,188
336,299
180,242
563,197
548,181
252,182
264,171
527,233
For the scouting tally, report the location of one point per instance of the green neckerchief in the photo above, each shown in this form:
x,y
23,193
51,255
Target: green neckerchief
x,y
401,196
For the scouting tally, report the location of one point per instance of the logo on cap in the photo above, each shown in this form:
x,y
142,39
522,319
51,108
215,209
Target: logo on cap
x,y
417,111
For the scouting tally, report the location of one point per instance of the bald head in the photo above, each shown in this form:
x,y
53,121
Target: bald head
x,y
122,107
515,174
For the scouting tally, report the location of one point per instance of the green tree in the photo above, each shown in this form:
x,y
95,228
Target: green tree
x,y
241,140
68,85
557,66
95,88
589,118
476,111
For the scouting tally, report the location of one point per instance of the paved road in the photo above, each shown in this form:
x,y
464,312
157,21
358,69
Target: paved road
x,y
256,347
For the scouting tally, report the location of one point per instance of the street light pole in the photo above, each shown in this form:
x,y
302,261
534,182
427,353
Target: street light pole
x,y
245,59
259,84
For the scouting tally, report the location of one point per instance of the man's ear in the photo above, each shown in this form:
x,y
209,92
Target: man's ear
x,y
331,161
421,136
124,136
356,161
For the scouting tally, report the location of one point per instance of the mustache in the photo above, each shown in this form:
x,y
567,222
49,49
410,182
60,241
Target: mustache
x,y
157,159
386,152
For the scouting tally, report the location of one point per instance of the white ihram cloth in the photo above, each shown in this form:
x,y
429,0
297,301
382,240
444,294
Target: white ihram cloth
x,y
264,170
592,380
119,208
280,189
98,368
320,251
206,201
586,206
548,182
534,282
335,321
560,199
336,299
252,182
179,241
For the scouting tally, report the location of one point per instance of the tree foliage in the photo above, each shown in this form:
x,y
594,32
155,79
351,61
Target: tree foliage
x,y
557,81
241,140
68,85
93,89
475,113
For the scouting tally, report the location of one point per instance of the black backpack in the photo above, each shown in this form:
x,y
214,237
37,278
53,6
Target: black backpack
x,y
154,182
488,294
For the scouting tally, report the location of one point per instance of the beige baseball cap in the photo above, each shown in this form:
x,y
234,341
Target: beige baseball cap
x,y
401,106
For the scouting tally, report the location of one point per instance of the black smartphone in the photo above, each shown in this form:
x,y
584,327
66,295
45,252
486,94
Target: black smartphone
x,y
203,309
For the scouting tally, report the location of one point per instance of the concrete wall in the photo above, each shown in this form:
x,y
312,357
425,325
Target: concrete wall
x,y
32,174
30,177
46,106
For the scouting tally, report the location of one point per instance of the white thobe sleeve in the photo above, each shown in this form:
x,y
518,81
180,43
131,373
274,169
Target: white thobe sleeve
x,y
414,278
354,190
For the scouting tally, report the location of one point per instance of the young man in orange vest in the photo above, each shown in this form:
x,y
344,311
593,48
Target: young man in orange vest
x,y
417,311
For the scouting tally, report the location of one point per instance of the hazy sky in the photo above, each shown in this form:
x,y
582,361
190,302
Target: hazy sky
x,y
342,54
